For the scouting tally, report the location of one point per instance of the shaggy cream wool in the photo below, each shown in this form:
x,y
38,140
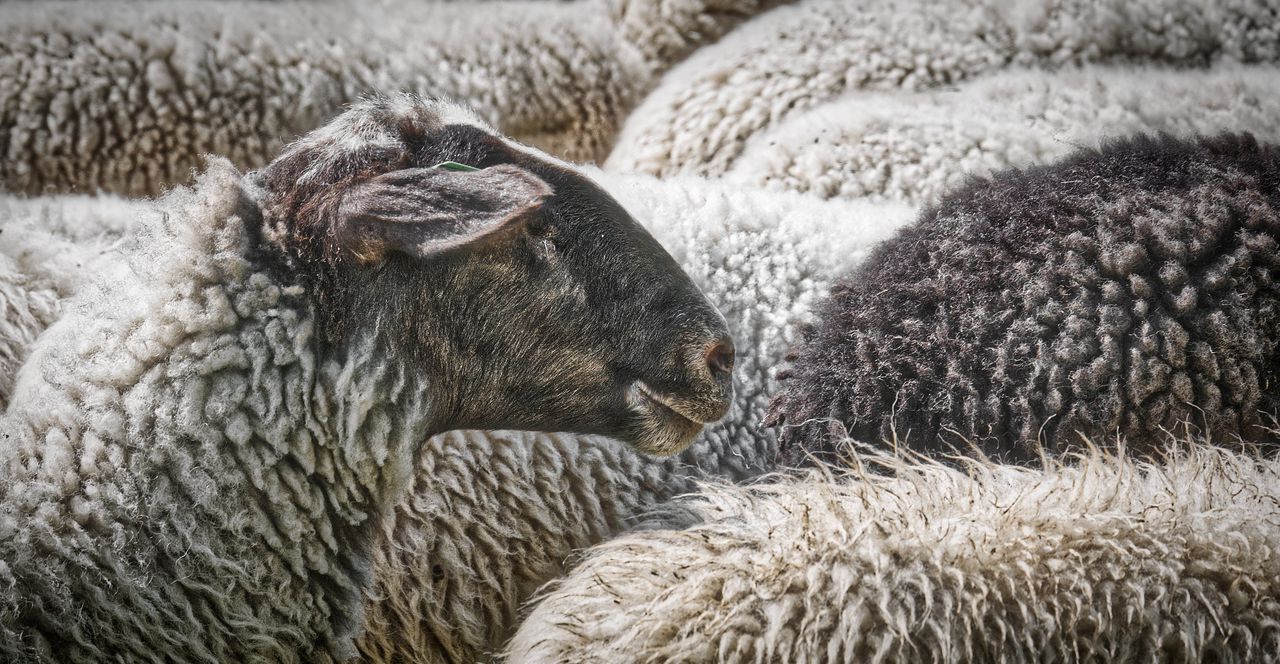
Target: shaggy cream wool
x,y
181,474
128,97
93,220
914,147
1102,560
666,31
48,247
793,58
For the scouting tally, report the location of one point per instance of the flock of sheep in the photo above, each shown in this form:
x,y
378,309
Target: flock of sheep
x,y
1007,277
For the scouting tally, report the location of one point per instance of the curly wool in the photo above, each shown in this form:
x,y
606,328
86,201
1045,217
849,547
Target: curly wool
x,y
701,115
1107,560
1122,293
128,97
913,147
179,473
492,516
667,31
48,246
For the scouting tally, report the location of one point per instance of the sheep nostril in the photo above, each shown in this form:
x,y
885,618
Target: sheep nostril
x,y
720,358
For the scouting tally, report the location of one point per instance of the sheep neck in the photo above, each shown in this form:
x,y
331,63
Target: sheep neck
x,y
211,477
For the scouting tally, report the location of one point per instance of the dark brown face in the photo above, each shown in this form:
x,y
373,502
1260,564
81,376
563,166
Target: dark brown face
x,y
524,292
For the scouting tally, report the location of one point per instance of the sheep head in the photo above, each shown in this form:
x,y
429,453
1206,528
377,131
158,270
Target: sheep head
x,y
528,295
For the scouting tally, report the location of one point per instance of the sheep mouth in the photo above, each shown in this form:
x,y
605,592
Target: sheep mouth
x,y
660,426
661,404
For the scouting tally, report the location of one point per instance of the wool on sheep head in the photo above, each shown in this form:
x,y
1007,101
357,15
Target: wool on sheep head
x,y
527,295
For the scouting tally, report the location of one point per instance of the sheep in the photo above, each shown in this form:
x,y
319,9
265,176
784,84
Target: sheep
x,y
487,519
1107,559
700,116
47,246
198,453
492,516
1123,294
128,97
913,147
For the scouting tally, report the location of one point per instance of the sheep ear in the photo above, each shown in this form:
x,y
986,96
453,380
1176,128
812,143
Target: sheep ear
x,y
425,211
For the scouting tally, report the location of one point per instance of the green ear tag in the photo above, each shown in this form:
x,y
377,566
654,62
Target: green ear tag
x,y
455,166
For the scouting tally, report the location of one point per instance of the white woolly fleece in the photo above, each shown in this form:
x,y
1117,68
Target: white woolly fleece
x,y
48,246
913,147
492,516
1104,560
128,97
181,473
793,58
665,31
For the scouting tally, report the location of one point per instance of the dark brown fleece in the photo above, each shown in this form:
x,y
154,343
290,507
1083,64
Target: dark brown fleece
x,y
1118,294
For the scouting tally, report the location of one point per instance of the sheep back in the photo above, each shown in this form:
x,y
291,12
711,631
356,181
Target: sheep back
x,y
1103,560
701,115
1123,292
917,146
